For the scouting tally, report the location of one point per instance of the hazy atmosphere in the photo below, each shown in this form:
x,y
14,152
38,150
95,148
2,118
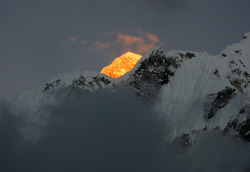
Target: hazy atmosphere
x,y
113,131
44,38
174,112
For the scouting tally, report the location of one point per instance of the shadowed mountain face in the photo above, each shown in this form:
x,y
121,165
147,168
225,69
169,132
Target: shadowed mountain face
x,y
193,92
173,111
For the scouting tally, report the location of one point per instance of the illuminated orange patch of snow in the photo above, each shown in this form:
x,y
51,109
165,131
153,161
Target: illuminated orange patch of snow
x,y
121,65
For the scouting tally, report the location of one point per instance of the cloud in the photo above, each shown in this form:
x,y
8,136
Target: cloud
x,y
73,39
111,131
123,42
212,153
103,131
102,45
84,42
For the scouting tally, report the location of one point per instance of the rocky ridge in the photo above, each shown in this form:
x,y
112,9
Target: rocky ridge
x,y
198,92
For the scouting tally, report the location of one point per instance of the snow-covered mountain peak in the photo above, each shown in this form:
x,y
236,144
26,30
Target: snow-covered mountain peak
x,y
195,92
239,50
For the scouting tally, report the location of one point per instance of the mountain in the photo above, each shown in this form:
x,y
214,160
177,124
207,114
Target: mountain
x,y
121,65
194,92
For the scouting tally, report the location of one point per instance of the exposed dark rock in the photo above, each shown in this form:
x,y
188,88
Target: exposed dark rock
x,y
237,51
217,131
244,126
185,140
243,110
98,80
50,86
216,73
232,62
240,128
242,63
218,128
236,71
79,82
247,76
153,73
91,85
238,83
244,130
231,126
217,101
224,55
188,55
237,80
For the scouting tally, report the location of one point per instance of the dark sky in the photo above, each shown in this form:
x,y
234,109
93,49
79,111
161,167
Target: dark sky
x,y
44,38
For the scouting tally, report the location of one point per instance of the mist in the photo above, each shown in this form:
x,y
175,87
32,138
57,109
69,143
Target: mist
x,y
110,131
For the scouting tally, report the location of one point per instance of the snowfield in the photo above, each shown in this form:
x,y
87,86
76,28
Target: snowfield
x,y
194,92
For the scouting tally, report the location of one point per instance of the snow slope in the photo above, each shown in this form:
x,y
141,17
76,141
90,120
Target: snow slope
x,y
183,101
195,92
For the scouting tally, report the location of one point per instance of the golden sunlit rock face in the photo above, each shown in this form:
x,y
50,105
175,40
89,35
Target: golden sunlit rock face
x,y
121,65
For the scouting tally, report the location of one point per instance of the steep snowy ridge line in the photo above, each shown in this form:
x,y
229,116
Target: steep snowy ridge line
x,y
197,92
183,89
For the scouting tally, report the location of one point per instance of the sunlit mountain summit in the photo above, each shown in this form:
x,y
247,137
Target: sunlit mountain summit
x,y
194,92
121,65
